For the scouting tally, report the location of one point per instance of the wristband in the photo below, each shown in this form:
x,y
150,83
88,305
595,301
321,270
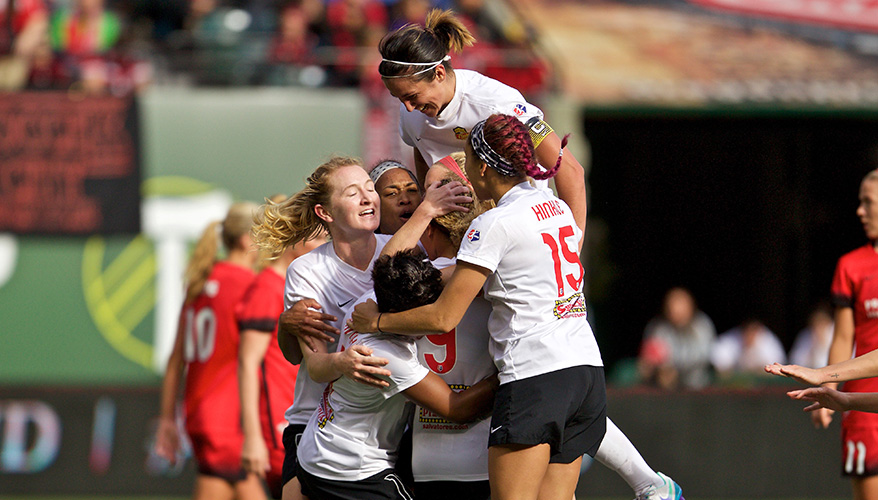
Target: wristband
x,y
378,323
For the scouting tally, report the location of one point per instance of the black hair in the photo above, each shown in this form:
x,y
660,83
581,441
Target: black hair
x,y
405,280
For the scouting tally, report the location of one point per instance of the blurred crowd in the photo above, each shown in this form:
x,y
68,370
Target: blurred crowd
x,y
681,348
121,46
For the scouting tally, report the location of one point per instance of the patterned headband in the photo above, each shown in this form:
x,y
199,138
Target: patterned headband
x,y
430,65
386,165
487,154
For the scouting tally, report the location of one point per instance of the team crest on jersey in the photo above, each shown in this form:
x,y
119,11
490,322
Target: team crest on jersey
x,y
871,307
461,133
473,235
519,110
571,307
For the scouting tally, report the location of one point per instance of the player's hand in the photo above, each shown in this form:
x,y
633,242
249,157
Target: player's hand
x,y
167,440
358,363
254,456
823,398
364,319
304,320
440,200
821,417
801,374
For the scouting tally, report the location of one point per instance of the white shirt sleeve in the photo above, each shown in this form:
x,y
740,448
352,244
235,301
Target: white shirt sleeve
x,y
405,370
297,286
484,243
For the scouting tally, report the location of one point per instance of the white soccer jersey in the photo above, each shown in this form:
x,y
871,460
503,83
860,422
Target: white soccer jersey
x,y
443,450
356,430
321,275
476,97
538,323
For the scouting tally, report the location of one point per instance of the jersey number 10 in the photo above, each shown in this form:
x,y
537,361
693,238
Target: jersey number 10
x,y
200,334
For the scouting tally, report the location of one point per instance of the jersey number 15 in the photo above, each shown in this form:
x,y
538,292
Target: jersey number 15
x,y
569,255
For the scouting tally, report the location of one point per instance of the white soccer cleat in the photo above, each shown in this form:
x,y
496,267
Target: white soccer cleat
x,y
670,490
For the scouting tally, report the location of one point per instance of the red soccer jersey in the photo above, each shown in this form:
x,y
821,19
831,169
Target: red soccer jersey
x,y
211,352
855,285
259,309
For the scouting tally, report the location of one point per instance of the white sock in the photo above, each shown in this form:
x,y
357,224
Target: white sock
x,y
618,454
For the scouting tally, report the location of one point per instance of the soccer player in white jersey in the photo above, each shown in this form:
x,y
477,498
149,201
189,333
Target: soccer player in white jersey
x,y
551,406
449,460
439,107
350,446
339,197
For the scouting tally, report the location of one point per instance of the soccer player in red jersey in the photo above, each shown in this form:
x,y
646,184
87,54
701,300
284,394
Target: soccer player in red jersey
x,y
207,348
267,381
855,296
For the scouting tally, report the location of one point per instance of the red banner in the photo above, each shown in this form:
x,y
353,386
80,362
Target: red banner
x,y
858,15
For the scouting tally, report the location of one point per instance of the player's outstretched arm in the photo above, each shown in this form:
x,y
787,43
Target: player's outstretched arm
x,y
438,201
251,353
167,442
840,350
825,397
439,317
434,394
570,179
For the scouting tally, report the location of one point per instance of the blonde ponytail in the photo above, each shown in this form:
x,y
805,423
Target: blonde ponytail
x,y
202,261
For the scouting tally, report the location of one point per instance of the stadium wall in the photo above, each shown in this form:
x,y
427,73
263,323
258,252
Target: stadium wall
x,y
717,444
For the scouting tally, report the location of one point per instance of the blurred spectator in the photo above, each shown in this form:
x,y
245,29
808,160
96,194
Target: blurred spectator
x,y
86,36
354,24
293,43
315,12
677,344
746,349
811,347
409,12
22,32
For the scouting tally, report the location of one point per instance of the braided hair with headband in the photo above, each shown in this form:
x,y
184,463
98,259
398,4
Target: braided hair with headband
x,y
415,51
504,144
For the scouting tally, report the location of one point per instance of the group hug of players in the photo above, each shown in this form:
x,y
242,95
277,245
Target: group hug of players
x,y
432,318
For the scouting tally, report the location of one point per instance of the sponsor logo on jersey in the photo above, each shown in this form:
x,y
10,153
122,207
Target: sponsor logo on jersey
x,y
519,110
432,421
571,307
461,133
871,307
473,235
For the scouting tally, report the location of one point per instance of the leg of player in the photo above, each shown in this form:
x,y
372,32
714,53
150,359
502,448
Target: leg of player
x,y
293,490
619,455
250,488
560,481
212,488
865,488
516,471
